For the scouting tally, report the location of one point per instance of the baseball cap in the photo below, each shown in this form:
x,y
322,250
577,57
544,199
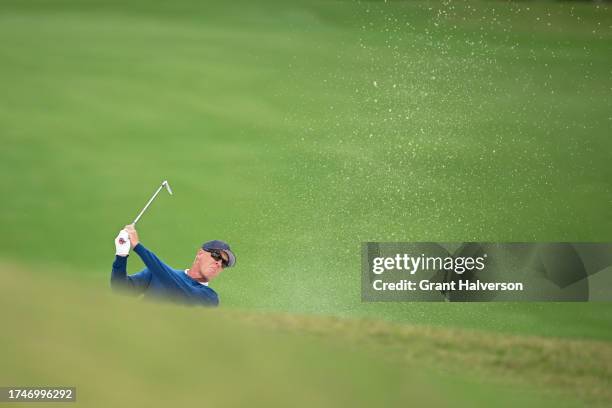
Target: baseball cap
x,y
221,246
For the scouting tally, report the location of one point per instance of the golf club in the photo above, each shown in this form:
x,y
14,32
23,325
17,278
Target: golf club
x,y
163,184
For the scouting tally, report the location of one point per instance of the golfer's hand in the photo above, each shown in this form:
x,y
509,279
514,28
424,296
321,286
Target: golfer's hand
x,y
131,230
122,243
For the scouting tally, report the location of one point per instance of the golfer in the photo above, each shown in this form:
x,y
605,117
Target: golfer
x,y
159,281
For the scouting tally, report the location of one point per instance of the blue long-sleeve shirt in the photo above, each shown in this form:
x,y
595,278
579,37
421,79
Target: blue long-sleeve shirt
x,y
159,281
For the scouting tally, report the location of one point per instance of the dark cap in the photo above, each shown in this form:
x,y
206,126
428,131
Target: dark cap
x,y
221,246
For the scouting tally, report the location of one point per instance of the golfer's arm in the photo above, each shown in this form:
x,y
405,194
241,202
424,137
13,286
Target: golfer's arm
x,y
159,269
133,283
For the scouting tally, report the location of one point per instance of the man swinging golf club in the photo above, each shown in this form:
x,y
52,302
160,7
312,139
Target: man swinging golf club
x,y
158,280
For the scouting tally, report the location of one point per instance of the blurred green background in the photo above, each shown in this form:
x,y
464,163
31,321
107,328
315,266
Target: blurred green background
x,y
297,130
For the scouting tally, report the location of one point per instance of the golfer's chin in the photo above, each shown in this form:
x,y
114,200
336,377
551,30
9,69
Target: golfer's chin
x,y
209,273
212,273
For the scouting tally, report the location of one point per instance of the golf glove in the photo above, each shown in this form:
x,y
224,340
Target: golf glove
x,y
122,243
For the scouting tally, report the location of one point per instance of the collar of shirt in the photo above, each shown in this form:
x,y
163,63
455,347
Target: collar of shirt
x,y
201,283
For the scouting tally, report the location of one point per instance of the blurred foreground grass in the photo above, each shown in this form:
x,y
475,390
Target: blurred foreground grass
x,y
120,351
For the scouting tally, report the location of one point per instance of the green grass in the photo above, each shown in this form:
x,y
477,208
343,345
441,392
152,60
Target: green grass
x,y
297,130
119,351
485,123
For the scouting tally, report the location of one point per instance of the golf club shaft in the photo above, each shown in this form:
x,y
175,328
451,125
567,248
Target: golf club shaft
x,y
148,204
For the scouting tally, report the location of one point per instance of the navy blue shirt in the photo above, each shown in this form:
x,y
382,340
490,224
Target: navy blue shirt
x,y
159,281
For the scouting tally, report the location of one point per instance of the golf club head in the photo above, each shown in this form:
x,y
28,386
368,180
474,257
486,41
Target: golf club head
x,y
165,184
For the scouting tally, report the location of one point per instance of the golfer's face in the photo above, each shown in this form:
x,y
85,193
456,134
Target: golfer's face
x,y
210,267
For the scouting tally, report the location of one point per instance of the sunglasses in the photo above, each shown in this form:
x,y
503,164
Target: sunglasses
x,y
216,255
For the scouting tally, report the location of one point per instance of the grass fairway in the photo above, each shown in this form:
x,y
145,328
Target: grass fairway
x,y
295,131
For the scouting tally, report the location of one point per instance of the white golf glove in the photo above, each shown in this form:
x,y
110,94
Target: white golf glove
x,y
122,243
